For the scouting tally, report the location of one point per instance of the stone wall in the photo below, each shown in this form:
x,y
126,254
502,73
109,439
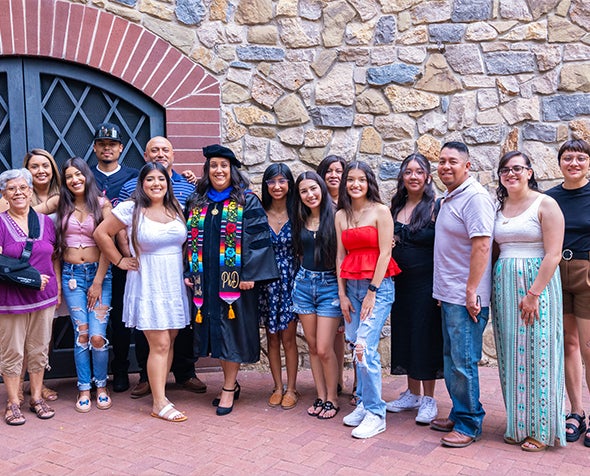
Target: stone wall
x,y
378,79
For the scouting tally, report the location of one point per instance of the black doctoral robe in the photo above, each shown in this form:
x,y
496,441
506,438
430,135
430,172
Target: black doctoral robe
x,y
234,340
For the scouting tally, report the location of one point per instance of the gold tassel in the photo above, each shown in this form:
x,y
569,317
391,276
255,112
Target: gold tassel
x,y
199,317
231,314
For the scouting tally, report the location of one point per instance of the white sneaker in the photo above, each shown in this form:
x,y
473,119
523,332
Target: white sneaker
x,y
371,425
428,411
356,417
406,401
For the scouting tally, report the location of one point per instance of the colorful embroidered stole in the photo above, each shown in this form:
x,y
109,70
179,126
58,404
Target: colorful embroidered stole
x,y
230,252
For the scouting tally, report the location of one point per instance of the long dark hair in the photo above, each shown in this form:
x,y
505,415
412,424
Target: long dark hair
x,y
142,201
501,192
238,182
422,213
66,203
275,170
326,234
55,182
574,145
344,201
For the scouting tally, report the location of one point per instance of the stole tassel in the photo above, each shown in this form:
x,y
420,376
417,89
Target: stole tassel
x,y
231,314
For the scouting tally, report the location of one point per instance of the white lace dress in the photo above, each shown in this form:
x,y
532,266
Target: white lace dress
x,y
155,295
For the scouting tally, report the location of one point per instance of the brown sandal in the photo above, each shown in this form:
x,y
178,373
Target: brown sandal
x,y
532,445
13,416
41,409
48,394
290,399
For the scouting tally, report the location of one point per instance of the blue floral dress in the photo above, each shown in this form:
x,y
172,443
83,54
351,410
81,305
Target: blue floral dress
x,y
275,297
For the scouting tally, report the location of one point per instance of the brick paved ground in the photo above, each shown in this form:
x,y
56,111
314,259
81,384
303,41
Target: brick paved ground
x,y
256,439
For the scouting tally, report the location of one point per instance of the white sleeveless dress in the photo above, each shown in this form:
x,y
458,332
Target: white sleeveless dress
x,y
530,358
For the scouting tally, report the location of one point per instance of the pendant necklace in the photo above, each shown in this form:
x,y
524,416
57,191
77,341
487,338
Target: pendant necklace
x,y
215,211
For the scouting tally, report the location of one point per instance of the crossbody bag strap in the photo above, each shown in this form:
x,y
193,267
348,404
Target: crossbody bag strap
x,y
34,232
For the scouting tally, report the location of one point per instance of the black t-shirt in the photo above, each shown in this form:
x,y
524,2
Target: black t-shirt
x,y
575,205
308,242
110,185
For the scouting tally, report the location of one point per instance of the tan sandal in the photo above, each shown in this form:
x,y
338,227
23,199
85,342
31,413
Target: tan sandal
x,y
13,415
290,399
49,394
276,397
532,446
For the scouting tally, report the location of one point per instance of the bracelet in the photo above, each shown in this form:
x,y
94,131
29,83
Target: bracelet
x,y
532,293
119,262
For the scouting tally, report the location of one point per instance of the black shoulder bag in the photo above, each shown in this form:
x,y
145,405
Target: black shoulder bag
x,y
18,271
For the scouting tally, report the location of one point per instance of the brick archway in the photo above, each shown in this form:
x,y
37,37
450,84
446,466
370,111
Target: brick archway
x,y
88,36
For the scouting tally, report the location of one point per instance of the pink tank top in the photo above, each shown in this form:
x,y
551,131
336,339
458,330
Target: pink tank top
x,y
79,234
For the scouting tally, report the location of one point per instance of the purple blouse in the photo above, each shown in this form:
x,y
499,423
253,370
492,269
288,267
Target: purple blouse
x,y
16,299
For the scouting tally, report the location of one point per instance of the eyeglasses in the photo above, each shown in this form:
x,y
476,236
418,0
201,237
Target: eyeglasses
x,y
580,159
273,183
516,170
12,189
417,172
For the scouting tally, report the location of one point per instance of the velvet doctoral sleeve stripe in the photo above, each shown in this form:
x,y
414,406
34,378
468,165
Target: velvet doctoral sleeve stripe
x,y
258,258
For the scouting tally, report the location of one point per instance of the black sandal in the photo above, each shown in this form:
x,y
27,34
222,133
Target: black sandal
x,y
576,430
328,407
318,405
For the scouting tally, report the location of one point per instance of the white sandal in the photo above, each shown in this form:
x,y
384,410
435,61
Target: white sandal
x,y
174,415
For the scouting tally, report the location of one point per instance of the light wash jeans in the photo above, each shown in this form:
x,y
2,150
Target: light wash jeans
x,y
462,340
367,333
90,361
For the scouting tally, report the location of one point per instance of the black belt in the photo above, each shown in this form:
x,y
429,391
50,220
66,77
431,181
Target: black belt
x,y
569,255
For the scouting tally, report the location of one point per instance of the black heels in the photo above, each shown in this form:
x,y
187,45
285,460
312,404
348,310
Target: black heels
x,y
221,411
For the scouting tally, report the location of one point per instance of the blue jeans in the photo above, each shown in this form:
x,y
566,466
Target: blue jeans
x,y
462,340
90,361
316,292
366,334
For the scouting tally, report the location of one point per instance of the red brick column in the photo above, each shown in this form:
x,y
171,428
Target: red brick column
x,y
89,36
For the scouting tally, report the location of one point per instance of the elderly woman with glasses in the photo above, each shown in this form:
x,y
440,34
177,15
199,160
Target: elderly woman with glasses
x,y
526,299
26,314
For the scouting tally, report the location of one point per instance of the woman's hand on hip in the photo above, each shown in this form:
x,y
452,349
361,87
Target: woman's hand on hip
x,y
246,285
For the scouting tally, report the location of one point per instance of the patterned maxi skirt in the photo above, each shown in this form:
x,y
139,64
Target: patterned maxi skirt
x,y
530,358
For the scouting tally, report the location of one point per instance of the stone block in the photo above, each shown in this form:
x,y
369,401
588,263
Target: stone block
x,y
397,6
359,33
414,36
438,77
361,120
433,122
480,31
464,59
521,109
576,52
575,77
180,36
240,76
263,34
279,152
483,134
311,9
398,150
547,56
287,8
292,135
371,142
580,13
312,156
389,170
409,100
231,130
446,33
476,81
332,116
206,57
219,10
580,129
543,157
249,115
317,137
531,31
190,12
412,54
264,92
262,131
491,116
398,73
252,12
228,53
157,9
462,108
562,30
487,99
471,10
372,101
431,11
429,147
291,75
345,144
232,93
564,107
323,61
336,87
337,15
515,10
540,7
290,111
509,62
382,56
260,53
539,132
484,157
294,34
395,127
366,9
255,150
385,30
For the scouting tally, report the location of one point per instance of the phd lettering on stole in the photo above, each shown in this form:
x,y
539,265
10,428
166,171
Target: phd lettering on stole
x,y
230,279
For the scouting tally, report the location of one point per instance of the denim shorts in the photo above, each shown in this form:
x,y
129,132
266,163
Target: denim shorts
x,y
316,292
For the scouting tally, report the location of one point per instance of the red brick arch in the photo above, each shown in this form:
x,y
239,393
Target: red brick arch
x,y
89,36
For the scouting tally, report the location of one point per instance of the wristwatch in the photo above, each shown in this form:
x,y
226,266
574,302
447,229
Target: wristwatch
x,y
373,288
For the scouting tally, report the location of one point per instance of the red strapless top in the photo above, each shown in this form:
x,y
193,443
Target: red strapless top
x,y
362,245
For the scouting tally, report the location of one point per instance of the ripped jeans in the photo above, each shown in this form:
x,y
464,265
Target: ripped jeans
x,y
92,323
365,336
